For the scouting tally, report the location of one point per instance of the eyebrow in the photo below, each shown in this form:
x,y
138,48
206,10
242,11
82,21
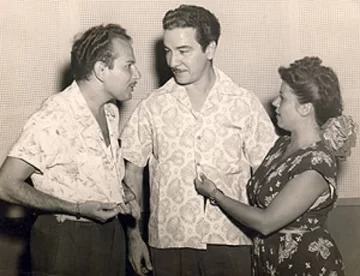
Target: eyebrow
x,y
182,47
130,60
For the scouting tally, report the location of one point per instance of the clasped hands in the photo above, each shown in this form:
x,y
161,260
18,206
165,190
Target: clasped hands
x,y
102,212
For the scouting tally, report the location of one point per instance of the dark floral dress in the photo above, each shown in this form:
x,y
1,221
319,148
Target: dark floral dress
x,y
304,247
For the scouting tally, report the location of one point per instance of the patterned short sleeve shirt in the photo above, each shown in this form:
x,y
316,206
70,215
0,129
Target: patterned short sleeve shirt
x,y
63,141
231,133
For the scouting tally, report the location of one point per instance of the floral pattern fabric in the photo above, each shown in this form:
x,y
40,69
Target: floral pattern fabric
x,y
304,247
229,134
63,141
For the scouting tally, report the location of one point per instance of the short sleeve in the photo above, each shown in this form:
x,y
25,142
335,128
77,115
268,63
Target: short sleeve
x,y
136,137
38,143
320,161
260,134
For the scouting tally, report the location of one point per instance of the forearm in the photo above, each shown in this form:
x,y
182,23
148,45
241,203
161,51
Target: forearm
x,y
14,189
252,217
134,181
21,193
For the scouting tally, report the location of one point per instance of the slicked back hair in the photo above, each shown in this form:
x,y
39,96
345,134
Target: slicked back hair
x,y
94,45
205,23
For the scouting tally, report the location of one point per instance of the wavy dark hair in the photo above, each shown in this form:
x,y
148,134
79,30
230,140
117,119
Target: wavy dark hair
x,y
94,45
205,23
316,84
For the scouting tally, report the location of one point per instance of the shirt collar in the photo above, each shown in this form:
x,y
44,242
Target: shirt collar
x,y
213,98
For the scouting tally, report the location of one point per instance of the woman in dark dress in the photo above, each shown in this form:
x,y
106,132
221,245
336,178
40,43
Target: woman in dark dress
x,y
294,189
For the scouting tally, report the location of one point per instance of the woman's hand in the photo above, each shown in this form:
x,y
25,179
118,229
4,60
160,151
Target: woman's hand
x,y
204,186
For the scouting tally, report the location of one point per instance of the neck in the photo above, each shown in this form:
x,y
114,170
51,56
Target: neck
x,y
93,96
203,85
304,138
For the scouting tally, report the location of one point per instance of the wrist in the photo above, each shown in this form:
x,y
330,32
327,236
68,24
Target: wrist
x,y
133,233
214,195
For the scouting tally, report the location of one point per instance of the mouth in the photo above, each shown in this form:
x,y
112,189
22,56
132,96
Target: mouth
x,y
177,71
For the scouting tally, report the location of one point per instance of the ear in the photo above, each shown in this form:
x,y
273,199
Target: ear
x,y
305,109
210,50
99,70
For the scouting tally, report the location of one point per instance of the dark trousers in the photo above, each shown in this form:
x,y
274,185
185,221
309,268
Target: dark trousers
x,y
217,260
77,248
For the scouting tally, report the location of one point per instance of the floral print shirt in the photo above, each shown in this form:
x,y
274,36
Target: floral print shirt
x,y
63,141
304,247
229,134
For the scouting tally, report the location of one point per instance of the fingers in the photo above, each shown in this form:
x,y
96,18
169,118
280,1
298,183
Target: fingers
x,y
147,261
197,181
105,215
107,205
135,209
137,267
129,197
123,209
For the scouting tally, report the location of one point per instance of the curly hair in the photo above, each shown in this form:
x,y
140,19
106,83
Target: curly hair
x,y
205,23
94,45
316,84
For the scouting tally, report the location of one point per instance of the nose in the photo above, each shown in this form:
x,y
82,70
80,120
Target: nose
x,y
276,102
136,73
172,59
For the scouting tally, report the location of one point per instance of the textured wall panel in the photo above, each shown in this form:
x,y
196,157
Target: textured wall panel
x,y
257,37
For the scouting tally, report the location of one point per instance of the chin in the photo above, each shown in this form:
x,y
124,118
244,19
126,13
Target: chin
x,y
182,80
125,98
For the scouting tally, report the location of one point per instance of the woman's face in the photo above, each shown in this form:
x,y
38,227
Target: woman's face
x,y
286,108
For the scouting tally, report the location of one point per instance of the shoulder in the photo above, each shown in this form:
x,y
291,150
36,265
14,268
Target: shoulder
x,y
320,154
228,87
51,113
316,158
160,97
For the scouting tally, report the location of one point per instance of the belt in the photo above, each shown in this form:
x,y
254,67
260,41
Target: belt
x,y
62,218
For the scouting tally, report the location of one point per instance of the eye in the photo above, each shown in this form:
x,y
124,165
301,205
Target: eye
x,y
183,51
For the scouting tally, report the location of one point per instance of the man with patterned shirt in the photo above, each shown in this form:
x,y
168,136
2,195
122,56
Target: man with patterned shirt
x,y
71,151
200,121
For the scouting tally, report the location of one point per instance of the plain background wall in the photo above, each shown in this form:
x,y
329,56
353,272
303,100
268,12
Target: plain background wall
x,y
257,37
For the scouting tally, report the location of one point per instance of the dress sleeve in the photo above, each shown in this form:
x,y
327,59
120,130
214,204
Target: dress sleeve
x,y
321,161
136,136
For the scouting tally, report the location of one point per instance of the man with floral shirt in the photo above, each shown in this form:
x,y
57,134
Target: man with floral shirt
x,y
71,151
200,121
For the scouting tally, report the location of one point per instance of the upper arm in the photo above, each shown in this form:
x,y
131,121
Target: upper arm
x,y
136,137
294,199
134,178
12,172
40,141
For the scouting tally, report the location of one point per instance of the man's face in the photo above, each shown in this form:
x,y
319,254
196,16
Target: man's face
x,y
184,55
120,80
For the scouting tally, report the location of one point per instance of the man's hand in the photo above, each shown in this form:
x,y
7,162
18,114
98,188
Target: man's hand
x,y
139,255
98,211
131,205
